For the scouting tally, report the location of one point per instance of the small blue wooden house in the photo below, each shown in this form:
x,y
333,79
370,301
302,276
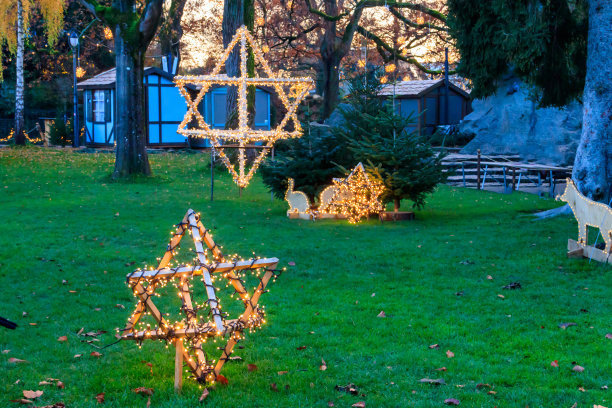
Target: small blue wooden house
x,y
165,109
425,102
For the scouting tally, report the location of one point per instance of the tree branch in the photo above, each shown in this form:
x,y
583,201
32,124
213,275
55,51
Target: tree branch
x,y
149,21
326,16
380,44
406,21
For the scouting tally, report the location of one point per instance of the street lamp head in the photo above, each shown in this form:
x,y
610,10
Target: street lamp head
x,y
74,39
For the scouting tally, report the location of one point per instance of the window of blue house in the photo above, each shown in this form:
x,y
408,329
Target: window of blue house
x,y
98,106
262,103
219,97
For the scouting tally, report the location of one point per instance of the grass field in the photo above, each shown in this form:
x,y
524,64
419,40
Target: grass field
x,y
70,235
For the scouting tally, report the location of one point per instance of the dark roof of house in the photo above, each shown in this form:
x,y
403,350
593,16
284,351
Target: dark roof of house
x,y
418,88
106,79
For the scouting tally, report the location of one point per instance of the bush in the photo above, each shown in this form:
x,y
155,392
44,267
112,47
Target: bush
x,y
61,132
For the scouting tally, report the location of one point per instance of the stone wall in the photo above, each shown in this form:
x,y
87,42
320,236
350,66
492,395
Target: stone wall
x,y
509,122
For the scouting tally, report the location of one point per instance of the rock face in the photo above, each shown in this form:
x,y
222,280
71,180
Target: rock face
x,y
509,122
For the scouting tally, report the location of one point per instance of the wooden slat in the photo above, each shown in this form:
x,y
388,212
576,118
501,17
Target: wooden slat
x,y
588,251
157,333
210,289
197,270
178,365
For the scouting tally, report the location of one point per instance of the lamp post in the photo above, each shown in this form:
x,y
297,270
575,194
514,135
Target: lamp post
x,y
74,42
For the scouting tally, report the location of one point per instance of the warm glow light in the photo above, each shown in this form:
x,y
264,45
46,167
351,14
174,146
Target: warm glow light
x,y
80,72
298,89
108,33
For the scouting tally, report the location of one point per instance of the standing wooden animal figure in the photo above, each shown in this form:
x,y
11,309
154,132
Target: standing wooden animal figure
x,y
588,213
298,201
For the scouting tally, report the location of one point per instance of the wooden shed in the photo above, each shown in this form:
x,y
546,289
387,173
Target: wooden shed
x,y
425,102
165,109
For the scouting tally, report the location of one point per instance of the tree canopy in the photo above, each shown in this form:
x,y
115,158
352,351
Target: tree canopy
x,y
543,42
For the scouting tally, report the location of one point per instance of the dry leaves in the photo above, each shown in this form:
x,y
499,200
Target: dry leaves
x,y
204,394
434,346
450,354
273,387
609,336
381,314
554,363
143,391
323,365
451,401
282,372
441,369
360,404
302,348
78,355
100,397
222,379
62,338
566,325
291,263
578,368
252,367
95,354
16,360
349,388
32,394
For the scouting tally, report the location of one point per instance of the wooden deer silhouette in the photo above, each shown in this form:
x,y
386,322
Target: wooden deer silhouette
x,y
588,213
298,201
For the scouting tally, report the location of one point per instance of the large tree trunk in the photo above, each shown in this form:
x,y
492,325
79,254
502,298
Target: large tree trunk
x,y
19,84
331,85
130,121
233,18
593,163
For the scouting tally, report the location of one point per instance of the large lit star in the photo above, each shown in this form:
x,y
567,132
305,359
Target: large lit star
x,y
189,334
297,90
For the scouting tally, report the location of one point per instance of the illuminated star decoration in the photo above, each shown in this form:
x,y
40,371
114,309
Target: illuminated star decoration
x,y
356,196
190,330
297,90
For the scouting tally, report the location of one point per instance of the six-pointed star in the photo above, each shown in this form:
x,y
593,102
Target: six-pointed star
x,y
244,134
190,329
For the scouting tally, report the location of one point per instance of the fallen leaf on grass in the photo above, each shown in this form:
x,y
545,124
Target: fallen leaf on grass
x,y
578,368
554,363
439,381
204,394
489,277
148,402
16,360
100,397
6,351
60,385
501,296
78,355
95,354
273,387
381,314
434,346
492,392
350,388
222,379
330,404
235,358
119,306
581,389
441,369
143,390
450,354
45,383
282,372
32,394
252,367
481,385
23,401
291,263
451,401
323,365
360,404
302,348
566,325
62,338
513,285
609,336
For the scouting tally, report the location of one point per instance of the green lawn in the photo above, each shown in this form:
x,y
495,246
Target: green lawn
x,y
70,235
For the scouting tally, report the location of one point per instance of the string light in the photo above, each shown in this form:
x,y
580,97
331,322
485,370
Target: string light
x,y
588,213
297,89
299,205
190,330
108,33
355,197
80,72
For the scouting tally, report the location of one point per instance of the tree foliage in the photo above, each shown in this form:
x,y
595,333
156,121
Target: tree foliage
x,y
401,159
52,14
544,42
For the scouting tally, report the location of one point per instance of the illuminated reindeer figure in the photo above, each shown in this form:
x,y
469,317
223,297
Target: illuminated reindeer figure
x,y
588,213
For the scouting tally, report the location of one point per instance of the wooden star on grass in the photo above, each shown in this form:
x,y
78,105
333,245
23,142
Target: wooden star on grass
x,y
190,330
